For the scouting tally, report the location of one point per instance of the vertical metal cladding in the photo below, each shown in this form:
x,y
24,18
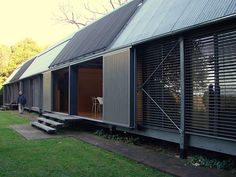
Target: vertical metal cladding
x,y
47,91
116,88
6,94
37,89
27,92
14,91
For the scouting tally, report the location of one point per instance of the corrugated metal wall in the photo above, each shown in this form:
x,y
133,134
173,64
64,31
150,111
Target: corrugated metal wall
x,y
27,92
116,88
14,91
6,94
33,91
47,91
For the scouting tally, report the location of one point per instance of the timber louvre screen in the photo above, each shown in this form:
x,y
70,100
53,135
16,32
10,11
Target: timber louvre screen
x,y
158,84
210,67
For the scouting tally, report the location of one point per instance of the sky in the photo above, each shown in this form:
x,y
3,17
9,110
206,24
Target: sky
x,y
20,19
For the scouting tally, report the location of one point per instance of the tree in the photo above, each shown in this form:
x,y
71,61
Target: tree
x,y
5,53
22,51
12,57
85,11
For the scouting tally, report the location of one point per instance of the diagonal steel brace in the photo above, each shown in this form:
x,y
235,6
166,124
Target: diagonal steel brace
x,y
180,131
149,77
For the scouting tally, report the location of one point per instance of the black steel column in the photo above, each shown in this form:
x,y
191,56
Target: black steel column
x,y
217,85
182,142
52,82
72,90
133,87
20,86
41,92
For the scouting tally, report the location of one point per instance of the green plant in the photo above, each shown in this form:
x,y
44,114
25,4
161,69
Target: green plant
x,y
212,163
126,138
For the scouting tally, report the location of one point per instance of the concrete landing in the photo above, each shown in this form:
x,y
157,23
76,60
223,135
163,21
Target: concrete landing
x,y
31,133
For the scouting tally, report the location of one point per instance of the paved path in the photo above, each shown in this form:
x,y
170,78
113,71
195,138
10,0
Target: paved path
x,y
169,164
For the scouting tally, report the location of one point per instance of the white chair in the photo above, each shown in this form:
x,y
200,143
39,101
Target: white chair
x,y
100,104
94,104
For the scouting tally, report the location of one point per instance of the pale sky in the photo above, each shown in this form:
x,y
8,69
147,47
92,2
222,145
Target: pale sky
x,y
31,18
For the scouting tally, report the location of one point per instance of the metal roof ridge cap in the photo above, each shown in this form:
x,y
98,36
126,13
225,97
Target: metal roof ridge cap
x,y
52,47
208,1
128,22
228,7
40,56
181,15
87,58
31,75
114,10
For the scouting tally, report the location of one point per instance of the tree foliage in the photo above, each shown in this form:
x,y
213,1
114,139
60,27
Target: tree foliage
x,y
11,57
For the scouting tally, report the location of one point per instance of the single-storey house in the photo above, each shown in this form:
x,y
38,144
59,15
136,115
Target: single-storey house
x,y
164,69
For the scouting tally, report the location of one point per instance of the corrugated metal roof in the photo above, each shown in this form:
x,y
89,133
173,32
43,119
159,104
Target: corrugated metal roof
x,y
43,60
97,36
159,17
231,9
12,75
22,70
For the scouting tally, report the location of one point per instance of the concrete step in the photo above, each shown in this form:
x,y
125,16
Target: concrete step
x,y
43,127
6,107
60,117
2,109
35,109
50,122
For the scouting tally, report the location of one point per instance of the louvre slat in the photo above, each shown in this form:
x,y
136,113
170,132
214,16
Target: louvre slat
x,y
210,65
163,86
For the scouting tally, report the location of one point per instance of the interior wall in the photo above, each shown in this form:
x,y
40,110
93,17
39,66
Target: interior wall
x,y
89,85
61,90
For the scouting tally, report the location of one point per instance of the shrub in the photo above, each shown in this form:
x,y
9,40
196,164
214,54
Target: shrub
x,y
212,163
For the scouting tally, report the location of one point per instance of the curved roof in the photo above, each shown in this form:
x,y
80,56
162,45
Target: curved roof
x,y
159,17
98,36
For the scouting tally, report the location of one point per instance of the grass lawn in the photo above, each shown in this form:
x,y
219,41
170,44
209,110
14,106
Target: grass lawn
x,y
60,157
